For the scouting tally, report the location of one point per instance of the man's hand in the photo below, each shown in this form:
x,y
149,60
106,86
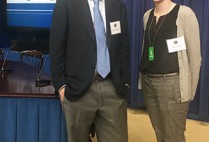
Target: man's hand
x,y
62,93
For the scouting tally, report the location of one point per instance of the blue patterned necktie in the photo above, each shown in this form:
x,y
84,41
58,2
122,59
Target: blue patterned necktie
x,y
103,60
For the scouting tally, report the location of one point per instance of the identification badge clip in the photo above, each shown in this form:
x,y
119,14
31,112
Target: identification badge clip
x,y
151,54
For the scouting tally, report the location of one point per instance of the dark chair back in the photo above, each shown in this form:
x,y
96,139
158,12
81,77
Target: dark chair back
x,y
33,58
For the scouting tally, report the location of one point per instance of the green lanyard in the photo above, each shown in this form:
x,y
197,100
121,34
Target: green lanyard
x,y
151,51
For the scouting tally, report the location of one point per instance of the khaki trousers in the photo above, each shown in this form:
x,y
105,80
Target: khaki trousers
x,y
167,113
100,106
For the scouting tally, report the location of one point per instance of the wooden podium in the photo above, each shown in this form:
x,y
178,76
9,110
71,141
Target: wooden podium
x,y
28,113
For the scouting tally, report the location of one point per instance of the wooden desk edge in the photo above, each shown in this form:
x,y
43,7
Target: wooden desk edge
x,y
24,95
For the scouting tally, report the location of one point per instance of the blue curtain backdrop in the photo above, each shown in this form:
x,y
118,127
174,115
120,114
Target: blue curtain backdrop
x,y
3,34
199,108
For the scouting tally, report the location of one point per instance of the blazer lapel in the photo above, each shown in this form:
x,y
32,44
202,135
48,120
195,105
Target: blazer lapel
x,y
109,13
108,8
84,13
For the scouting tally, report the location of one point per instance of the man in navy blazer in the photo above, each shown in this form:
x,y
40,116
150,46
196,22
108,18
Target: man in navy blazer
x,y
86,97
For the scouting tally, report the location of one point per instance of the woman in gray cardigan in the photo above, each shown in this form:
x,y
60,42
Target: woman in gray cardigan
x,y
169,67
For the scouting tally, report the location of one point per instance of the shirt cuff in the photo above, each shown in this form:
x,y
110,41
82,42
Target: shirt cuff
x,y
127,85
61,88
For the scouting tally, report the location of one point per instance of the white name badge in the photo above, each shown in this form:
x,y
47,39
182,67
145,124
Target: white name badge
x,y
176,44
115,27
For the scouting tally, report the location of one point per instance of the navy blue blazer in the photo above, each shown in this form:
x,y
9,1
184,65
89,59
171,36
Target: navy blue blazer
x,y
73,47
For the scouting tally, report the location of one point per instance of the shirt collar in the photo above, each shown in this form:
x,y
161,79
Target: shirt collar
x,y
93,0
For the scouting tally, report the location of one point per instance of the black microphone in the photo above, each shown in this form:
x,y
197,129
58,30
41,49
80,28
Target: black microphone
x,y
39,81
3,64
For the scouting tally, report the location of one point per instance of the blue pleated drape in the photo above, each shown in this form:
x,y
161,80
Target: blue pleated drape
x,y
136,10
199,108
31,120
